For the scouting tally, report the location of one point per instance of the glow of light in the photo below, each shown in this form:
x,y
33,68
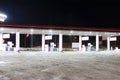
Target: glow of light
x,y
1,29
31,31
3,17
90,32
50,31
71,32
12,32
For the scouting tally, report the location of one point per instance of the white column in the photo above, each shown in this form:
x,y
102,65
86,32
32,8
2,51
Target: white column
x,y
60,42
108,43
17,41
97,42
43,42
80,43
1,41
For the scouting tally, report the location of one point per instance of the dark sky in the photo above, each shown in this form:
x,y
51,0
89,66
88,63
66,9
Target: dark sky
x,y
62,12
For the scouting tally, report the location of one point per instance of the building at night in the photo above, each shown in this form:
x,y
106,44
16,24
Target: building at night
x,y
57,38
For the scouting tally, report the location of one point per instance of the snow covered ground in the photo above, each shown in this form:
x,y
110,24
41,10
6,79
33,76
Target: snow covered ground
x,y
104,65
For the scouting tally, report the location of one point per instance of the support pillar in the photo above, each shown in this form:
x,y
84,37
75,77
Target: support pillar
x,y
97,42
108,43
17,41
1,41
80,43
43,42
60,42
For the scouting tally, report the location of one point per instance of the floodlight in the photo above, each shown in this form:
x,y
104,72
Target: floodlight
x,y
3,17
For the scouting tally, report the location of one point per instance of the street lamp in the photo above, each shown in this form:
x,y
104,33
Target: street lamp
x,y
3,17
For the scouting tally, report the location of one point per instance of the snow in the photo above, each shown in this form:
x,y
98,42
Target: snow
x,y
35,65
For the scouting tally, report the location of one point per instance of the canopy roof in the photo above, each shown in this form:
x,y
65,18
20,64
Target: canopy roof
x,y
65,30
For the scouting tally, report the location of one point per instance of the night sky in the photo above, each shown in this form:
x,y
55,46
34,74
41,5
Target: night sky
x,y
62,12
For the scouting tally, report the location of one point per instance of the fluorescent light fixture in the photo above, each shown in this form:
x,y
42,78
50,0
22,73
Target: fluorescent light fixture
x,y
50,31
71,32
31,30
1,29
12,32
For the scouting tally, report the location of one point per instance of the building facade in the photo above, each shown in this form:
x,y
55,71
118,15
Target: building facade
x,y
58,38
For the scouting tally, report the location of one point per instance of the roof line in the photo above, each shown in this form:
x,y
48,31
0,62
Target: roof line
x,y
77,28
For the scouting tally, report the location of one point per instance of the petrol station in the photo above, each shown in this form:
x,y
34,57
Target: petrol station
x,y
54,39
57,38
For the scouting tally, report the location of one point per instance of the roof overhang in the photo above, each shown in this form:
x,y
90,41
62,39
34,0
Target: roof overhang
x,y
65,30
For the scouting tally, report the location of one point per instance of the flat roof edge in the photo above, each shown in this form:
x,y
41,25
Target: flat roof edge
x,y
78,28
